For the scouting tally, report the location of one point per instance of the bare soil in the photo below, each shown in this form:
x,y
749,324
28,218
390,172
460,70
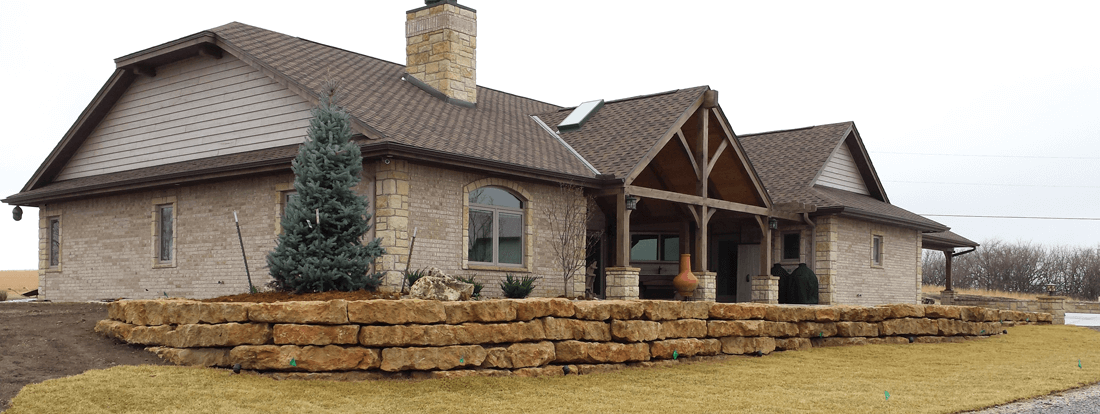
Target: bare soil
x,y
41,341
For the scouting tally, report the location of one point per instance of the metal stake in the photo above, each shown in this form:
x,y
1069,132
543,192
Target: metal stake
x,y
251,289
404,277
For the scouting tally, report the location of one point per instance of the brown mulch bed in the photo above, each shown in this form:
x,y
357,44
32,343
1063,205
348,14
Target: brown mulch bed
x,y
270,297
41,341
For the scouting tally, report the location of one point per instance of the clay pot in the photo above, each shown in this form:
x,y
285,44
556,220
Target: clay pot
x,y
685,282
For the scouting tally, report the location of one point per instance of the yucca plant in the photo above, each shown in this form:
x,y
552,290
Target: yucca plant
x,y
412,276
517,287
470,280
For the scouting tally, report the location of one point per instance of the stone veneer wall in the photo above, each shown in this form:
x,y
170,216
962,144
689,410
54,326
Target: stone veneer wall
x,y
107,242
425,339
854,280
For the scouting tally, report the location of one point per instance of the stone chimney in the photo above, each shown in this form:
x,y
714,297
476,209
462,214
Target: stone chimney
x,y
440,41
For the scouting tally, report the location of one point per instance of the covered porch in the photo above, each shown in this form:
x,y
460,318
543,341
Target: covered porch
x,y
694,193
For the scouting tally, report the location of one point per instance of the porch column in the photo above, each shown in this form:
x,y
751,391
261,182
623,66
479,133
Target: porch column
x,y
622,226
701,238
707,290
947,256
765,289
622,280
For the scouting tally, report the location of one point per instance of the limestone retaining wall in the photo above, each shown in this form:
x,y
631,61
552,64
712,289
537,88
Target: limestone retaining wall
x,y
429,339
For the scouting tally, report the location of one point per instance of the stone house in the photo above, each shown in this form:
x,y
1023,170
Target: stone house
x,y
137,200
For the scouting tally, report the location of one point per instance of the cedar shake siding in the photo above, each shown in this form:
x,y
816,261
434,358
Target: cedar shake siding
x,y
196,108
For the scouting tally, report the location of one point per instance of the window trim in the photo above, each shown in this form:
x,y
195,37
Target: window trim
x,y
528,207
281,193
158,205
880,252
48,260
661,237
496,212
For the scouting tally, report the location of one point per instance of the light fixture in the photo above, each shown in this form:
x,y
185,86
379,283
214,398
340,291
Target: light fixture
x,y
631,202
17,213
773,223
1050,289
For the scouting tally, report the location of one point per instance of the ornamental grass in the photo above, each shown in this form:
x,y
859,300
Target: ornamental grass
x,y
919,378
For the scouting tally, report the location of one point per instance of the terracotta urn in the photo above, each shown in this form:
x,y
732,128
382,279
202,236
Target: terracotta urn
x,y
685,282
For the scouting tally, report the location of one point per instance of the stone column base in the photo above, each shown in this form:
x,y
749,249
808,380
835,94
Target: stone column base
x,y
947,297
765,289
622,283
706,290
1054,305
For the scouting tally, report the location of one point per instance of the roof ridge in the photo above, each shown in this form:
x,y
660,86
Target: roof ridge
x,y
374,58
637,97
794,129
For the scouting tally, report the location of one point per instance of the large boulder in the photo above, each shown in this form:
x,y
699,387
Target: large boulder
x,y
439,286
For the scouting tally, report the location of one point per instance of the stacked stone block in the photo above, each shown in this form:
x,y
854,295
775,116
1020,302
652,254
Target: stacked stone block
x,y
530,337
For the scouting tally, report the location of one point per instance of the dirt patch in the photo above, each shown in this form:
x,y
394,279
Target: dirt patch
x,y
41,341
270,297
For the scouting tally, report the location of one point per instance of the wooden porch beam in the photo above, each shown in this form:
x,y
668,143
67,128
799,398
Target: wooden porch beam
x,y
691,157
717,153
709,202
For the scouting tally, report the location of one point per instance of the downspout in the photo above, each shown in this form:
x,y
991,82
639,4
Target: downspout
x,y
813,241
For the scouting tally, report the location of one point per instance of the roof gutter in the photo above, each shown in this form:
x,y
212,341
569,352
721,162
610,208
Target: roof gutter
x,y
857,213
972,249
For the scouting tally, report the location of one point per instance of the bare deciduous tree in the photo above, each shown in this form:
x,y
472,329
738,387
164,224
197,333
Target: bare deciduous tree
x,y
1020,267
568,224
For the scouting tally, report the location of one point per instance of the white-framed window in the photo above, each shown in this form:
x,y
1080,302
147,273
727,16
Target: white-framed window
x,y
54,243
164,235
654,248
877,248
792,246
495,227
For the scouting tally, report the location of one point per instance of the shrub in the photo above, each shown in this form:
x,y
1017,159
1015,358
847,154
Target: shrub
x,y
372,281
470,280
4,294
517,287
412,276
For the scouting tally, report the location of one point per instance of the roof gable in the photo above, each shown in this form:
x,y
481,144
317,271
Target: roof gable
x,y
195,108
840,171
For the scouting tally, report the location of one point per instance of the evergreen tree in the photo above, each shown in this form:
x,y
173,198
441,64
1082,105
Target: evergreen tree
x,y
321,246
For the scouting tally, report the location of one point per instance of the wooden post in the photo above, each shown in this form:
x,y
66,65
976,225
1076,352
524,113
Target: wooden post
x,y
947,255
622,224
701,154
765,245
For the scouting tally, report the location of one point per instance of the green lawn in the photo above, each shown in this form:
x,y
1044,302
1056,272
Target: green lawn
x,y
920,378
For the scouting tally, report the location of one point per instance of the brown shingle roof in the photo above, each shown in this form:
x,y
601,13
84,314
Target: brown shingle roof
x,y
499,129
946,239
789,161
616,138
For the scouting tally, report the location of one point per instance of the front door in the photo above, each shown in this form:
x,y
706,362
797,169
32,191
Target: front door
x,y
726,271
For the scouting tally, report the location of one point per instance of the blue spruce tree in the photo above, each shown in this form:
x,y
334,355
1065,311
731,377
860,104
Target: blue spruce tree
x,y
321,247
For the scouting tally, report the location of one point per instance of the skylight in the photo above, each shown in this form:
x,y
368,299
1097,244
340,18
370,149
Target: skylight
x,y
580,115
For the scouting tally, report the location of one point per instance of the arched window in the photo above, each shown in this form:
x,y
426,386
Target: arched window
x,y
495,227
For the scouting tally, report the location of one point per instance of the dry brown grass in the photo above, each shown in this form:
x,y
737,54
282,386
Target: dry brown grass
x,y
921,378
981,292
17,282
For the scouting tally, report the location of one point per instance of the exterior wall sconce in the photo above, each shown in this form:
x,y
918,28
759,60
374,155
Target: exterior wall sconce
x,y
631,202
17,213
773,224
1050,289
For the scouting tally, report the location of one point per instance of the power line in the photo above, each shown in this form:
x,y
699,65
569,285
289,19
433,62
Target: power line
x,y
998,185
1016,217
987,155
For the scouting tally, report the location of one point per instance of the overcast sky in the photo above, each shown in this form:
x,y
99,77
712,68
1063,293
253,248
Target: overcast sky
x,y
967,108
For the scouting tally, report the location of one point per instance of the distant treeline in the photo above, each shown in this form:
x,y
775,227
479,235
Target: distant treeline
x,y
1020,267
